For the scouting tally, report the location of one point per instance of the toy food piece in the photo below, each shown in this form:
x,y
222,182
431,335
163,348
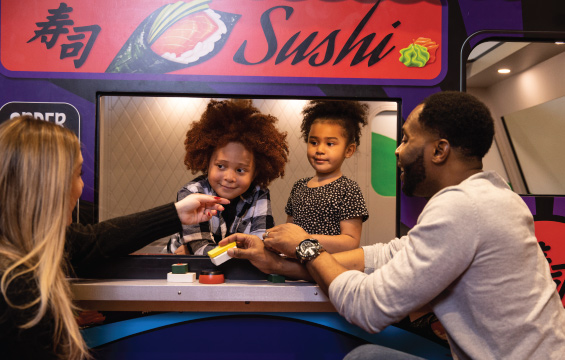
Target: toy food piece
x,y
219,255
180,268
211,277
276,278
180,273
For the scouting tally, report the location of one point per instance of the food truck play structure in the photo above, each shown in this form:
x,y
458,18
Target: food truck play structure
x,y
62,60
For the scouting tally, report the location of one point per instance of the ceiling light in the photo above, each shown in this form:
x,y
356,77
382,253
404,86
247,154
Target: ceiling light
x,y
503,71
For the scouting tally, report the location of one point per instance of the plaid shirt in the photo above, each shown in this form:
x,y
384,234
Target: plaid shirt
x,y
253,216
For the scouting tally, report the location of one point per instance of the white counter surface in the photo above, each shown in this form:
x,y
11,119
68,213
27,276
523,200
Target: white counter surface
x,y
233,295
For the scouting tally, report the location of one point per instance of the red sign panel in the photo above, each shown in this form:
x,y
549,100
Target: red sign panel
x,y
384,40
551,237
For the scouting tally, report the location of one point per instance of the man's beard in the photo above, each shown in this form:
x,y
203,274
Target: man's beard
x,y
414,174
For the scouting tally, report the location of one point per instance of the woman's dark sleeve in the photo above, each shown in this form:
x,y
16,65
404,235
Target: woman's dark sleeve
x,y
119,236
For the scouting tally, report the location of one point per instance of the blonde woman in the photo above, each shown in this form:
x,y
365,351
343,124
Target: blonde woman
x,y
40,183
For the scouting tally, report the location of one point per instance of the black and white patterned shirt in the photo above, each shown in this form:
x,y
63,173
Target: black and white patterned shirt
x,y
320,210
252,216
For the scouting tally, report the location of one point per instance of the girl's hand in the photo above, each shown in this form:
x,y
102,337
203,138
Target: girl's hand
x,y
196,208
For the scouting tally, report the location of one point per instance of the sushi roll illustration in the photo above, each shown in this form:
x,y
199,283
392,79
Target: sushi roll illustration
x,y
174,37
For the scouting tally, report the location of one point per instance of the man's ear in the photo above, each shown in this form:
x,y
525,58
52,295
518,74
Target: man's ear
x,y
350,150
442,150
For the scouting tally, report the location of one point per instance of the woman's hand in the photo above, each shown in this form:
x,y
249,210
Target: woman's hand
x,y
196,208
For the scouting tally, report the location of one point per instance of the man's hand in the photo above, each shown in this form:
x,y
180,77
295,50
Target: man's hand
x,y
196,208
285,238
250,247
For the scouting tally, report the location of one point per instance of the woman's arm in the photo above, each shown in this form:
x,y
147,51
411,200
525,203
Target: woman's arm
x,y
86,244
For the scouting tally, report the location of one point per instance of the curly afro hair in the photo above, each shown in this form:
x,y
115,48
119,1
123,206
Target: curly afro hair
x,y
351,115
237,120
461,119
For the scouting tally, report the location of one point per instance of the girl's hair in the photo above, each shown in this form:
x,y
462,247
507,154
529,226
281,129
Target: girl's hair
x,y
38,159
350,115
237,121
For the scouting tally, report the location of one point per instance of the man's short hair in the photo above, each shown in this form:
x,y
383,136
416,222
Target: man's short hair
x,y
460,118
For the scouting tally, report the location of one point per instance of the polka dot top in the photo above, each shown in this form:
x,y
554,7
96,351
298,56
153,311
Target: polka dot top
x,y
319,210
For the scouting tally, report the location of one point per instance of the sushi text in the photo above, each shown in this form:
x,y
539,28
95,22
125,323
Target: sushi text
x,y
316,56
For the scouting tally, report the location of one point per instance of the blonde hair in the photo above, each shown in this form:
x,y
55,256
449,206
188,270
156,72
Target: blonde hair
x,y
38,160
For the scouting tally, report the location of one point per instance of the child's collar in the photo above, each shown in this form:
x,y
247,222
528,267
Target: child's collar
x,y
247,196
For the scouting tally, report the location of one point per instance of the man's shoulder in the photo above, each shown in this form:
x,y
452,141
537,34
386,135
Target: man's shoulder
x,y
482,194
479,184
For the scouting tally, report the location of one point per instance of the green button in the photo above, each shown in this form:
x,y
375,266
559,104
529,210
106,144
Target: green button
x,y
180,268
275,278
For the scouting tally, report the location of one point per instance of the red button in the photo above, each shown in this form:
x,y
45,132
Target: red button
x,y
211,279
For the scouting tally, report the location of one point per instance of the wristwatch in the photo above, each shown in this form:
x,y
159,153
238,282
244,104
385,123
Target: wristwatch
x,y
308,249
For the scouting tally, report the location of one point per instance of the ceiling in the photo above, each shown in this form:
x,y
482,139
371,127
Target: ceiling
x,y
485,60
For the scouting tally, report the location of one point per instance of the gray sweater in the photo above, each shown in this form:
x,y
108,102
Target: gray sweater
x,y
473,257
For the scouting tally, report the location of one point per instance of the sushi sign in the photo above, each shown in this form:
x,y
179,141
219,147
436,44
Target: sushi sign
x,y
384,42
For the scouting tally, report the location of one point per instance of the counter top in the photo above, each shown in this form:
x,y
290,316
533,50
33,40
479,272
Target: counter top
x,y
233,295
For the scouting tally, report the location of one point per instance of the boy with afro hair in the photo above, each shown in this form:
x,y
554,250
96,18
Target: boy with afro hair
x,y
239,151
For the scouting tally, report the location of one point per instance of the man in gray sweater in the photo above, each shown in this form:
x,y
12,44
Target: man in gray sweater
x,y
472,256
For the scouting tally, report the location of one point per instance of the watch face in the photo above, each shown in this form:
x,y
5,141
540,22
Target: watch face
x,y
308,249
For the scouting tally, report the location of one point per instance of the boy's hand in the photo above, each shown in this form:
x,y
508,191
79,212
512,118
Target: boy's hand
x,y
181,250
